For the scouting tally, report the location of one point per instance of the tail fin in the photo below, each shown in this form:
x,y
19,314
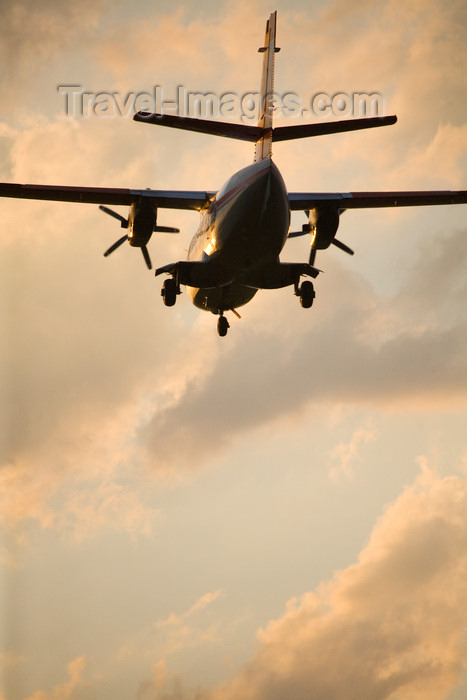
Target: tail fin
x,y
263,146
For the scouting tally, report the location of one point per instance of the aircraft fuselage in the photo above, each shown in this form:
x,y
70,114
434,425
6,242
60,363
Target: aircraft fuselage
x,y
244,227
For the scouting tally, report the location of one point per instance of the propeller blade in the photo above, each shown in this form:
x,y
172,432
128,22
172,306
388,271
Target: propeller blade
x,y
111,212
146,257
166,229
342,246
116,245
306,228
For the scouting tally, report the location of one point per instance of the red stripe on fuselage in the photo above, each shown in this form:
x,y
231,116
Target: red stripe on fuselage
x,y
219,203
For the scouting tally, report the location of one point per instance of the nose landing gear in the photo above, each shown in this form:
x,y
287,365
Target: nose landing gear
x,y
222,325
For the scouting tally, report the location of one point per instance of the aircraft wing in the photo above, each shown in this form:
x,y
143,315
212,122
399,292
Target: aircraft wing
x,y
186,199
369,200
166,199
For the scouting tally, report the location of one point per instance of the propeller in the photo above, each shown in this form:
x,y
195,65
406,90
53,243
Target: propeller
x,y
306,228
121,240
115,245
146,257
166,229
342,246
111,212
124,223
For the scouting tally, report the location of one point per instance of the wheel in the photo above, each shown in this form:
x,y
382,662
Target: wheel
x,y
169,292
222,326
307,294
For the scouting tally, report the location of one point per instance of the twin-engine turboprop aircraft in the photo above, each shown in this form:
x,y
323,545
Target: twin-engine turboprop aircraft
x,y
244,226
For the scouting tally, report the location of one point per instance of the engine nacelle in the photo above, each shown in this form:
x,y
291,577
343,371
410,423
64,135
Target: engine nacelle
x,y
324,222
141,223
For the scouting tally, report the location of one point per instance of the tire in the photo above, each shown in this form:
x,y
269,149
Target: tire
x,y
222,326
169,292
307,294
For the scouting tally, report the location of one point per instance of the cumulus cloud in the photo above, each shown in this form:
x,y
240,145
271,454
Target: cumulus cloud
x,y
174,634
345,454
74,385
411,46
356,348
173,412
390,626
175,620
98,371
413,54
33,35
102,381
444,156
75,671
173,45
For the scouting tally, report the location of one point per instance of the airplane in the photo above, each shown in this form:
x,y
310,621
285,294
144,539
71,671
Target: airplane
x,y
245,225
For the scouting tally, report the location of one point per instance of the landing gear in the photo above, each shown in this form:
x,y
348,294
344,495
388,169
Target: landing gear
x,y
306,292
222,326
169,292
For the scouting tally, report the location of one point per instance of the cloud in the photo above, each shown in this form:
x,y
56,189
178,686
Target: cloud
x,y
178,631
345,454
101,506
105,390
77,370
391,625
354,348
99,372
444,155
411,53
33,35
101,422
148,689
175,620
410,50
164,687
178,45
75,670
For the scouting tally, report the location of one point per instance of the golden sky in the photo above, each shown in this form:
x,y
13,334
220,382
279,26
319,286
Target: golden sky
x,y
280,513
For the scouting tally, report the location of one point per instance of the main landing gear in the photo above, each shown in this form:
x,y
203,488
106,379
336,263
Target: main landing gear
x,y
169,291
306,292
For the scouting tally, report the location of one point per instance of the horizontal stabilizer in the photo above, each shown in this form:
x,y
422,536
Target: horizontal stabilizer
x,y
244,132
300,131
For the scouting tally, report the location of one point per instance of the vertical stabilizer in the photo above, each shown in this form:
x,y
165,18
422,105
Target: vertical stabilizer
x,y
263,146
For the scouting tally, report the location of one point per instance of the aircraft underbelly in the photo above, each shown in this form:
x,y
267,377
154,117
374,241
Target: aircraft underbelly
x,y
222,298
